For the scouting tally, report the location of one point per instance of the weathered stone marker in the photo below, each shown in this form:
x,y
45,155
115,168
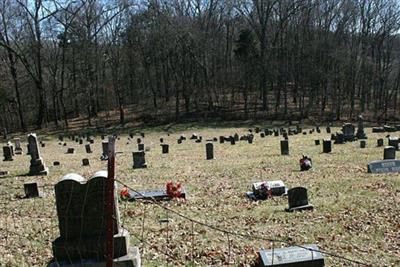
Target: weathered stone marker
x,y
327,146
284,147
298,199
389,152
31,190
37,166
18,149
305,256
222,139
88,148
209,151
56,163
7,153
379,142
232,139
82,224
71,150
317,142
139,160
384,166
348,130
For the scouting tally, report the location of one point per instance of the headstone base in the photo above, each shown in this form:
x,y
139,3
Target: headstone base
x,y
131,259
305,207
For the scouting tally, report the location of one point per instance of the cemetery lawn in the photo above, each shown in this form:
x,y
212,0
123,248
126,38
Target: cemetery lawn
x,y
356,214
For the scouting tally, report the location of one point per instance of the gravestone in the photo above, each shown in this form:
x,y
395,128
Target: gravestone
x,y
11,147
250,138
394,142
348,130
389,128
165,148
304,256
31,190
71,150
104,153
284,147
221,139
379,142
85,162
363,143
389,152
7,153
327,146
317,142
360,128
262,135
339,138
81,141
56,163
18,148
179,141
88,148
236,137
384,166
140,147
298,199
276,133
82,216
262,190
139,160
378,129
209,151
138,140
161,140
37,166
232,139
328,129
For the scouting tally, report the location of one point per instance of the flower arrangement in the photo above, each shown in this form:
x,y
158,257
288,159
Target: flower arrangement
x,y
173,190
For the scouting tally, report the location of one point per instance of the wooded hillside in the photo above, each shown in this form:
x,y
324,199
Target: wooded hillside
x,y
173,59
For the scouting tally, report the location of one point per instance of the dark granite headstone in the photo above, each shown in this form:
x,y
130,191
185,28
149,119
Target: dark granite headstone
x,y
232,139
165,148
85,162
394,142
56,163
389,152
363,143
389,128
326,146
317,142
71,150
139,160
82,224
31,190
305,256
7,153
384,166
88,148
209,151
298,199
284,147
236,137
221,139
348,130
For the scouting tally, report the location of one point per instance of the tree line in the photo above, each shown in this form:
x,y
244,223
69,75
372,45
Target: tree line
x,y
276,59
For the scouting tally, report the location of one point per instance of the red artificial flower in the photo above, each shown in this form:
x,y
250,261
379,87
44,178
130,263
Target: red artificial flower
x,y
125,193
173,191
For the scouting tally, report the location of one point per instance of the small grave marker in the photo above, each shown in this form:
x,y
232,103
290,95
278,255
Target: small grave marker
x,y
165,148
379,142
384,166
7,153
209,151
88,148
389,152
37,166
85,162
31,190
284,147
298,199
139,160
326,146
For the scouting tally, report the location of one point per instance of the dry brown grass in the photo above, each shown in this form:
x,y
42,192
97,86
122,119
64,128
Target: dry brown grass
x,y
356,214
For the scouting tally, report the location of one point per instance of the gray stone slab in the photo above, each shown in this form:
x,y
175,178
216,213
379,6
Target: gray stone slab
x,y
384,166
292,257
160,194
